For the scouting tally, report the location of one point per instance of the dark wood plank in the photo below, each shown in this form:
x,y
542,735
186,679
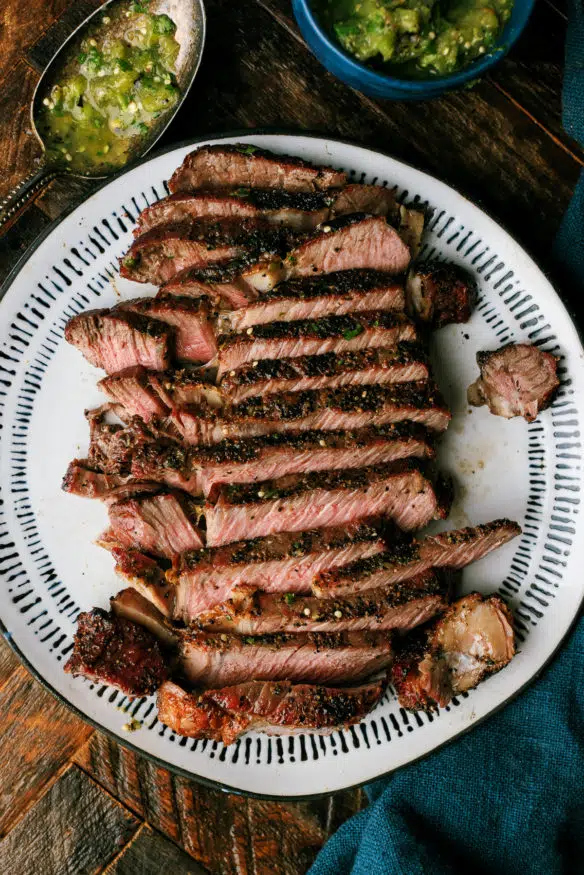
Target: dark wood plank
x,y
226,833
20,26
40,52
19,148
8,662
15,242
76,827
149,853
38,737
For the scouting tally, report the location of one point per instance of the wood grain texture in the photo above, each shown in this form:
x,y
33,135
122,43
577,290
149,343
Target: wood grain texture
x,y
38,736
228,834
149,853
20,24
8,662
19,148
74,828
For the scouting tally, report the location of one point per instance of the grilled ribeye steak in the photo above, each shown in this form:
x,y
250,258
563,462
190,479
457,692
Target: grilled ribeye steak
x,y
516,380
473,639
111,650
322,409
275,707
163,524
398,606
145,575
323,658
348,291
281,563
440,294
118,339
308,337
403,363
223,167
399,491
222,283
160,254
130,604
352,242
275,455
152,394
83,480
191,319
454,549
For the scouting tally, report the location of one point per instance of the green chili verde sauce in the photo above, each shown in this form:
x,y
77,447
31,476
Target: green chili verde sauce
x,y
416,38
111,91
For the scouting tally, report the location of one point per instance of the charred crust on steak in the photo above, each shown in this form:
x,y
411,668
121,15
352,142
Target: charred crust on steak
x,y
337,284
327,326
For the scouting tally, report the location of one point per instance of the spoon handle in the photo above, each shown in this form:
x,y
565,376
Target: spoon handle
x,y
23,194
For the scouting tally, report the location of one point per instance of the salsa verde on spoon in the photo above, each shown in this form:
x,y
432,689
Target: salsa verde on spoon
x,y
110,92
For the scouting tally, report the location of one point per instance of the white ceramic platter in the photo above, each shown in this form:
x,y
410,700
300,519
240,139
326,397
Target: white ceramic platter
x,y
50,569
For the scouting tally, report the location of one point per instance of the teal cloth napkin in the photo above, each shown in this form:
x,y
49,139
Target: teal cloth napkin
x,y
508,798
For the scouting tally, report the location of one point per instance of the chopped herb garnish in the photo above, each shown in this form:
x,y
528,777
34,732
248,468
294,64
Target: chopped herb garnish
x,y
241,192
290,598
350,333
247,150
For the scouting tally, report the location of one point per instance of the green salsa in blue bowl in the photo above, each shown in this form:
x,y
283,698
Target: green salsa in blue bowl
x,y
410,49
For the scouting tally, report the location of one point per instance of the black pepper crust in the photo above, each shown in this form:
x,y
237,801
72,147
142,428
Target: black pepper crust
x,y
280,198
329,364
293,484
326,326
281,546
319,641
339,283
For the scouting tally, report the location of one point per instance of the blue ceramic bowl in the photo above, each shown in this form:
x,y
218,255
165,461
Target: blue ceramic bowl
x,y
359,76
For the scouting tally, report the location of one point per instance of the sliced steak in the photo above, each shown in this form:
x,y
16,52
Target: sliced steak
x,y
327,658
191,319
353,242
377,200
473,639
276,707
163,524
454,549
399,491
306,337
118,339
250,612
302,211
322,409
516,380
111,650
286,562
160,254
404,363
223,283
145,575
131,605
349,291
81,479
440,294
275,455
132,389
232,166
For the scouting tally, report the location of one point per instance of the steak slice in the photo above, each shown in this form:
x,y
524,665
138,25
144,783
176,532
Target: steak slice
x,y
250,612
191,319
353,242
305,337
516,380
144,575
399,491
348,291
152,395
342,409
377,200
111,650
275,707
302,211
131,605
325,658
117,339
160,254
223,283
440,294
222,167
275,455
286,562
473,639
454,549
81,479
162,524
404,363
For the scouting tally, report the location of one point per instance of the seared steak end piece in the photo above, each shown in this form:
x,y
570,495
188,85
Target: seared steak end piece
x,y
112,650
275,707
516,380
472,640
440,294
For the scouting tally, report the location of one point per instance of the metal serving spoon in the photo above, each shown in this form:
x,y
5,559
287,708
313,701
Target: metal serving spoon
x,y
189,17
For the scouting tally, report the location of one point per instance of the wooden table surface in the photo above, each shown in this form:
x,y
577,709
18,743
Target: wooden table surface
x,y
72,800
